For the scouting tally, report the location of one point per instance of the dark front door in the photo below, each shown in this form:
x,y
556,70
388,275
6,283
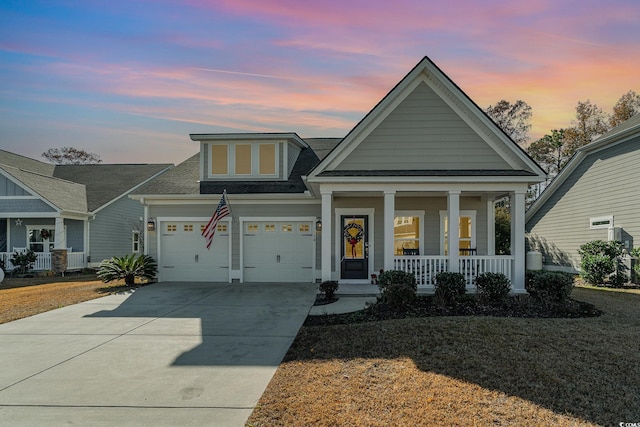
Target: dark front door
x,y
355,247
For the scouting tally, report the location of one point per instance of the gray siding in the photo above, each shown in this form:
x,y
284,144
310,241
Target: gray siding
x,y
423,132
10,188
75,235
24,205
111,230
294,151
605,183
3,235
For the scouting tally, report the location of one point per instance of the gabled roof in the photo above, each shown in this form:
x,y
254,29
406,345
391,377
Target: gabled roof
x,y
60,194
107,182
621,133
26,163
426,72
77,188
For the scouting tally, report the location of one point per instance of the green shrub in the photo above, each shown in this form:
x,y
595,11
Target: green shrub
x,y
399,296
599,260
128,268
493,287
23,261
635,252
328,288
449,287
549,286
398,289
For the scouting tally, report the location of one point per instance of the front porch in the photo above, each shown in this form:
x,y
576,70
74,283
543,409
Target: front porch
x,y
400,228
75,261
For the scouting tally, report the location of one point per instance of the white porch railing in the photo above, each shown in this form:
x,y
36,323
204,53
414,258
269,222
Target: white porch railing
x,y
425,268
75,261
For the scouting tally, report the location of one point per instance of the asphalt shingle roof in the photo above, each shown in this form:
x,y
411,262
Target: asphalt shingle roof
x,y
65,195
25,163
105,182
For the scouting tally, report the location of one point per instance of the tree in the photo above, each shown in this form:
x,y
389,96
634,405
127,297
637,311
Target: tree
x,y
627,106
503,230
590,123
551,151
71,156
513,119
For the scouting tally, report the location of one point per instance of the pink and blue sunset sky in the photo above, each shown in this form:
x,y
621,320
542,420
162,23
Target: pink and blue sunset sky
x,y
129,80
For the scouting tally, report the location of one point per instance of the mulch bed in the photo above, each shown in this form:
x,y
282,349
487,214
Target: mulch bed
x,y
469,305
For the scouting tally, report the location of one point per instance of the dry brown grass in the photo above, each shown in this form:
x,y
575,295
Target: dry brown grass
x,y
23,297
464,371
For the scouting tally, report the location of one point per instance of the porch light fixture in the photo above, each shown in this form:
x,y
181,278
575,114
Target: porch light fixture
x,y
151,225
318,225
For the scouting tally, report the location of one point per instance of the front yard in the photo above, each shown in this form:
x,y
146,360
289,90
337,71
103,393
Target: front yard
x,y
464,371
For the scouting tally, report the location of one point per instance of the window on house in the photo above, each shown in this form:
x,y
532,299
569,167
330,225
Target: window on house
x,y
243,159
172,227
40,238
219,160
601,222
466,231
267,159
188,227
406,235
222,227
135,242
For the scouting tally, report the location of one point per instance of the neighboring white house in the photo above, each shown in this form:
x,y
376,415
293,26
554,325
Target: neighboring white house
x,y
81,208
595,197
303,210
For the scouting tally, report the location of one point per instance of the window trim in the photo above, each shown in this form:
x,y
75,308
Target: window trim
x,y
255,160
420,215
135,242
474,226
602,219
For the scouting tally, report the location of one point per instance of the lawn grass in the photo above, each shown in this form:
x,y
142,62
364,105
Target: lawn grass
x,y
23,297
469,370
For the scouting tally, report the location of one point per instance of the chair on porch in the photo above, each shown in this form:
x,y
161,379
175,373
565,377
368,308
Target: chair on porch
x,y
468,251
410,251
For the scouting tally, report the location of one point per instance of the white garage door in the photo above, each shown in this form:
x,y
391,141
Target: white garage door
x,y
184,256
278,251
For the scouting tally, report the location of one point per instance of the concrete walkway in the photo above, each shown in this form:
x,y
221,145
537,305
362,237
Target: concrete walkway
x,y
166,354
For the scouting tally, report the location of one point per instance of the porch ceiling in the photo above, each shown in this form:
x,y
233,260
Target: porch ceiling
x,y
401,194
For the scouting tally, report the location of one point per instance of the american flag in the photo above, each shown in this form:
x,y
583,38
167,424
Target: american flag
x,y
221,211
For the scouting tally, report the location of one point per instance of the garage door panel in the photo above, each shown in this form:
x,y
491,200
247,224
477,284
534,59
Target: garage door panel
x,y
278,251
185,256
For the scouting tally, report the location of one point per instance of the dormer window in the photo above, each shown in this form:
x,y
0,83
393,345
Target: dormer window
x,y
241,159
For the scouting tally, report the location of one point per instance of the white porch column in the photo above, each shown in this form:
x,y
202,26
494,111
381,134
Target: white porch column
x,y
517,240
491,227
60,236
327,211
453,208
389,215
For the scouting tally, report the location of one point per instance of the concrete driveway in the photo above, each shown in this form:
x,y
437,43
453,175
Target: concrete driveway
x,y
166,354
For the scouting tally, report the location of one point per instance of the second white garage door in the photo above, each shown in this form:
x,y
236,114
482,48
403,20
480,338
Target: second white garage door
x,y
278,251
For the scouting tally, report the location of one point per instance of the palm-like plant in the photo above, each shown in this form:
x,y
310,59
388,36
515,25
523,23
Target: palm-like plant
x,y
128,268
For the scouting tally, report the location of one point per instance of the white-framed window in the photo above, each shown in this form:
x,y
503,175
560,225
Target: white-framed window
x,y
40,238
243,159
135,242
466,231
408,233
601,222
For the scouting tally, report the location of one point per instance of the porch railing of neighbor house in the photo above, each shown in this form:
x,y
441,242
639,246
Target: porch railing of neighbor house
x,y
75,261
425,268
